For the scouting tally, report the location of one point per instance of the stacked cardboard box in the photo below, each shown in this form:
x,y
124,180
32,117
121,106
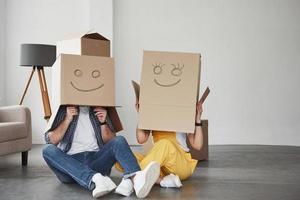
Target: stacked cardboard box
x,y
84,74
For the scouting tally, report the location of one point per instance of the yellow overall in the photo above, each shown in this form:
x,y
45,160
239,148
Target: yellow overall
x,y
168,153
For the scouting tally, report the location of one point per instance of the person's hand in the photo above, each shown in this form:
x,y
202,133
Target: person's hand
x,y
199,111
137,106
100,113
71,112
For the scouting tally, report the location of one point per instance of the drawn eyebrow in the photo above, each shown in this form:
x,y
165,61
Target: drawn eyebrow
x,y
158,64
178,66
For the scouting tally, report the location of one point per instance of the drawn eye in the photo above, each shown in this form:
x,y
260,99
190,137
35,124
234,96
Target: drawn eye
x,y
157,68
95,73
78,72
177,70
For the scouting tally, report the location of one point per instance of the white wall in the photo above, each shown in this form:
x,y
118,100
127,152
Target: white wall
x,y
35,21
2,55
101,18
250,52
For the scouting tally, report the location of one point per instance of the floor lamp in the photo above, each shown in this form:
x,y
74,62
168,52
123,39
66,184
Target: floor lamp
x,y
38,56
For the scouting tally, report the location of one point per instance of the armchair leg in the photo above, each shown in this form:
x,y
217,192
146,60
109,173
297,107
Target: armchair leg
x,y
24,158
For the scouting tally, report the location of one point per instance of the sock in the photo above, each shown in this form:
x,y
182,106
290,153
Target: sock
x,y
171,181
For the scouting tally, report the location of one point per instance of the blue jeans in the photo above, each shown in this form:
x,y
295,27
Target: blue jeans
x,y
81,167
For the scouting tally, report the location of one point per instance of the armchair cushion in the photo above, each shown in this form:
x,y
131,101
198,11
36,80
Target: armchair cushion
x,y
12,131
15,129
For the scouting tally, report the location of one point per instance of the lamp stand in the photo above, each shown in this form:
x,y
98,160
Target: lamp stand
x,y
44,90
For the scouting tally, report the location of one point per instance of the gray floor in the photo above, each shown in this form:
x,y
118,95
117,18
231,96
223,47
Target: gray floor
x,y
233,172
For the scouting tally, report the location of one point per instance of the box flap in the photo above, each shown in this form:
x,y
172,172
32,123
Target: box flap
x,y
114,117
95,36
136,88
204,95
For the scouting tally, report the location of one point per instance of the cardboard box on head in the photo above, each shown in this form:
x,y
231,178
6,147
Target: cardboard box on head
x,y
92,44
201,154
169,91
85,80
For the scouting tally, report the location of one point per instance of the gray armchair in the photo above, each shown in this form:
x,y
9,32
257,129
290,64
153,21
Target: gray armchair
x,y
15,131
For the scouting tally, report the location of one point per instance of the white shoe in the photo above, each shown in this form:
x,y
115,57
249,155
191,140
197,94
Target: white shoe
x,y
110,184
125,188
103,185
144,180
171,181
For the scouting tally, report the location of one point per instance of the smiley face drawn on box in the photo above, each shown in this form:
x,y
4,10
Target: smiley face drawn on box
x,y
169,78
80,73
84,80
176,70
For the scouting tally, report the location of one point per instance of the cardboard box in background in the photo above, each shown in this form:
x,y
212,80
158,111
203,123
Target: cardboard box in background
x,y
169,91
201,154
92,44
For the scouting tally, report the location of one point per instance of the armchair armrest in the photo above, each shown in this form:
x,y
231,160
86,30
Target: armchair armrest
x,y
16,114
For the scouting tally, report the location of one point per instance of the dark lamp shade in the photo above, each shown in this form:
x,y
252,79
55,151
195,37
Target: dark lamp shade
x,y
39,55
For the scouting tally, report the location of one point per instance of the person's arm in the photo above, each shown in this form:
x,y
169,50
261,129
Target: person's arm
x,y
141,134
196,138
106,133
58,133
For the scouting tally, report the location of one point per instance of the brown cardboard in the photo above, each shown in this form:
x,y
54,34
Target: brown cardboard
x,y
84,80
113,115
92,44
204,96
201,154
169,91
136,88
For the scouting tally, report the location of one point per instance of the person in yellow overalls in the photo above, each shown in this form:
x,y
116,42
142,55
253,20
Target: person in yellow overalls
x,y
170,150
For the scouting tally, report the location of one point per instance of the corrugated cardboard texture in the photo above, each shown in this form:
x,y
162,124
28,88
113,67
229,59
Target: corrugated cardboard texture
x,y
169,91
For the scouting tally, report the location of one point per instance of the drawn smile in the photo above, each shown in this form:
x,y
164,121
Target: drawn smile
x,y
86,90
166,85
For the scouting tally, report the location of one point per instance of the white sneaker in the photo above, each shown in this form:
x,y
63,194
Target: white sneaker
x,y
125,188
110,184
171,181
103,185
144,180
